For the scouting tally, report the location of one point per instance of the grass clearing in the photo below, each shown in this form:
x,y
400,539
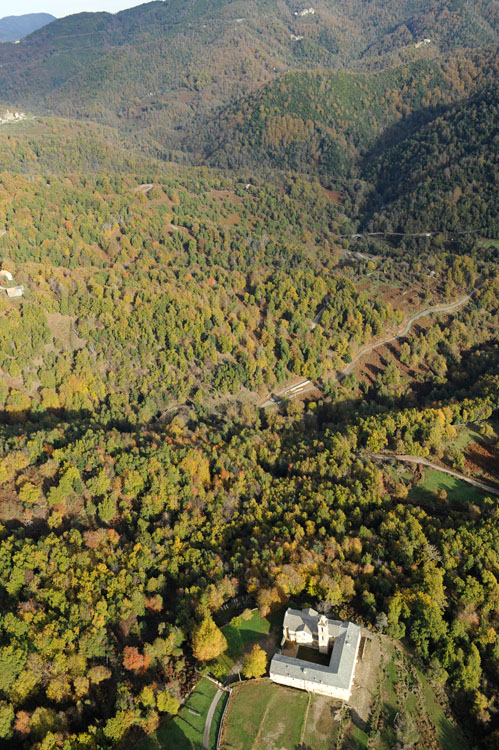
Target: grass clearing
x,y
360,738
240,634
457,491
449,735
390,706
264,715
217,717
466,434
186,729
486,242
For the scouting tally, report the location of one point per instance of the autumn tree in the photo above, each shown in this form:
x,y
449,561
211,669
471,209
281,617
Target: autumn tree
x,y
255,663
208,641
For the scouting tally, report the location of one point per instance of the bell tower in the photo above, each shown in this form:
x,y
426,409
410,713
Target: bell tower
x,y
323,632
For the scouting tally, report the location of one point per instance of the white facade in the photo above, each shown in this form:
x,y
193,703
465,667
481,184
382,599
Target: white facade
x,y
305,12
15,291
311,686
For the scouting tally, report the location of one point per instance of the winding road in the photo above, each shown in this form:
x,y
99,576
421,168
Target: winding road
x,y
429,464
305,386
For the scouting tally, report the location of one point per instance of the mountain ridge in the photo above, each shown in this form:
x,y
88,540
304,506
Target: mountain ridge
x,y
13,28
163,65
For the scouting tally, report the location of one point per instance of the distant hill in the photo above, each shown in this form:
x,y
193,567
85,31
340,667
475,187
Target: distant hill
x,y
252,84
13,28
163,65
326,122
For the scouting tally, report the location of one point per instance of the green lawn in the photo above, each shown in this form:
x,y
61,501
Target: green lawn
x,y
390,704
466,434
264,715
457,491
360,738
448,734
240,634
185,731
485,242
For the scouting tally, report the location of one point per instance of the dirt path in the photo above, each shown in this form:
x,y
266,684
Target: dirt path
x,y
209,719
306,386
429,464
366,674
304,725
145,188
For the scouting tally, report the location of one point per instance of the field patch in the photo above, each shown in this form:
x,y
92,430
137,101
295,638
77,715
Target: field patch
x,y
322,723
241,633
185,731
62,328
264,715
457,491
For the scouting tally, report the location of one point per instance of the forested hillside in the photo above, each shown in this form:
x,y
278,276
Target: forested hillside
x,y
322,122
125,540
163,63
155,294
127,523
57,146
445,175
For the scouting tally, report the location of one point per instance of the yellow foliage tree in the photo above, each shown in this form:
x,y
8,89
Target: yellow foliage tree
x,y
255,663
208,641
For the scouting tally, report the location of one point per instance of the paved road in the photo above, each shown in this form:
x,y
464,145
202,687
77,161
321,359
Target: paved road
x,y
429,464
209,719
306,386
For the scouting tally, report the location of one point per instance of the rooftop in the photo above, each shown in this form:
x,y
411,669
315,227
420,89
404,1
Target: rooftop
x,y
339,673
303,619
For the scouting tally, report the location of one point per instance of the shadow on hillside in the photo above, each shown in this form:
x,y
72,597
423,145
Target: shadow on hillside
x,y
391,137
357,721
173,733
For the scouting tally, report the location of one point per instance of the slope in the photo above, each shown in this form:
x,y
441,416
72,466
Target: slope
x,y
161,64
444,175
324,121
53,145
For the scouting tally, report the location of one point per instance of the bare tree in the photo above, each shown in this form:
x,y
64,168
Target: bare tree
x,y
324,607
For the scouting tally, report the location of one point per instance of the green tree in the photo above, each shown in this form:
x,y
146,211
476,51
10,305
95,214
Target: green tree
x,y
6,719
166,703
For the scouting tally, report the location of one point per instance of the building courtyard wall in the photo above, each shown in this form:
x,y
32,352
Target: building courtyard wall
x,y
308,627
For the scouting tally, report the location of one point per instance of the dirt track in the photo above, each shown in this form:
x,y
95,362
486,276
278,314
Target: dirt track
x,y
305,386
429,464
